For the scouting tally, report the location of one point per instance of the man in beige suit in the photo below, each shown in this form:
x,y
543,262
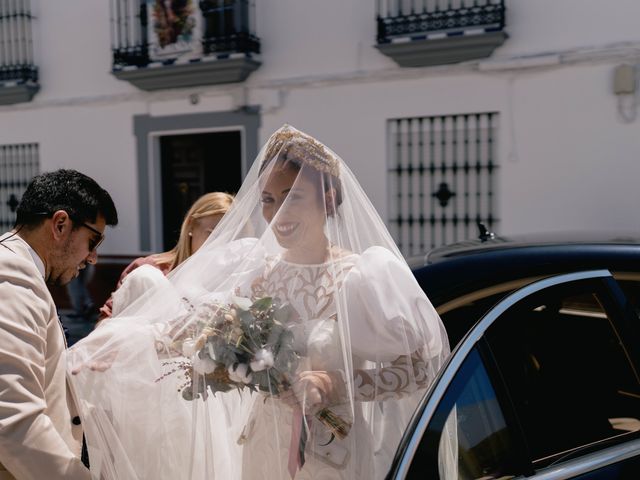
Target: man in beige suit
x,y
60,223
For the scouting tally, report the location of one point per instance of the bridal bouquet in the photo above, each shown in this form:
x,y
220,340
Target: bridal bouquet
x,y
243,344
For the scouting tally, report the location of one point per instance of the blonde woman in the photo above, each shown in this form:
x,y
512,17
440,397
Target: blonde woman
x,y
203,216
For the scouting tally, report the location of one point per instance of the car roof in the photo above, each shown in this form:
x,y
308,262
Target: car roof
x,y
463,267
559,239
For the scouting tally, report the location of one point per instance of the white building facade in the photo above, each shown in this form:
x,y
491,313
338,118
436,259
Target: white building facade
x,y
522,118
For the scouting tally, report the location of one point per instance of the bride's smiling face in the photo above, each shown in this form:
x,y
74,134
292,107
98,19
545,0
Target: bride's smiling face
x,y
299,224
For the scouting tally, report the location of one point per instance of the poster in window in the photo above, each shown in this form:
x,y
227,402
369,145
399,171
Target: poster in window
x,y
174,29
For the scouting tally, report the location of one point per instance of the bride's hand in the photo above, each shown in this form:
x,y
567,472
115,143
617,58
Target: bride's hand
x,y
314,390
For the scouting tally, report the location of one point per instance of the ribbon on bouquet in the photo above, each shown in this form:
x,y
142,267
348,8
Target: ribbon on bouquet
x,y
298,440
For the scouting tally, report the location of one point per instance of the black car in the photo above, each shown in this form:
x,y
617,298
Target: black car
x,y
543,381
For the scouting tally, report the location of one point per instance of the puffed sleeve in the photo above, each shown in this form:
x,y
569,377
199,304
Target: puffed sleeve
x,y
140,280
388,313
394,331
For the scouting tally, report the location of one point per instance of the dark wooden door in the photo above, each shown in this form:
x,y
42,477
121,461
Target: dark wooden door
x,y
192,165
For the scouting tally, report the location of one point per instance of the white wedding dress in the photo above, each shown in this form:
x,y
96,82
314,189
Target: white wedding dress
x,y
360,317
310,290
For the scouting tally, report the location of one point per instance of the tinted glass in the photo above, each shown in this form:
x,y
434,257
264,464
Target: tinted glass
x,y
569,375
459,320
468,437
631,290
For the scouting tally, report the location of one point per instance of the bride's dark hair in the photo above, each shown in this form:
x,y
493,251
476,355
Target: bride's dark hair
x,y
311,159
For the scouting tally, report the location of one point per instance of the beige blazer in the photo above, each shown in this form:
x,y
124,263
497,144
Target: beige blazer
x,y
38,439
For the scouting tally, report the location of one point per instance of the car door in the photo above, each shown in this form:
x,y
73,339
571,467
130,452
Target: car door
x,y
545,386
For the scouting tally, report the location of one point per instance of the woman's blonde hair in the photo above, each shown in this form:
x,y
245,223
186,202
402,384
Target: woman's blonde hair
x,y
214,203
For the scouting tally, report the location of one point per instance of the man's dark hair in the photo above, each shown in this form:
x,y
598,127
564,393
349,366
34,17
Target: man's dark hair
x,y
69,190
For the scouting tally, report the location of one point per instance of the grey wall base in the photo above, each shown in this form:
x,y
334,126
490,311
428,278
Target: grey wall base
x,y
228,70
441,51
17,93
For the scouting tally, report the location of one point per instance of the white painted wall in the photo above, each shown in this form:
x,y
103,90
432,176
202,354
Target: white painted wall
x,y
73,47
567,161
557,25
98,141
573,163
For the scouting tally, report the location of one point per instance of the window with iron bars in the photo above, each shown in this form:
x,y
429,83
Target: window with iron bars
x,y
399,18
441,179
19,163
16,42
228,26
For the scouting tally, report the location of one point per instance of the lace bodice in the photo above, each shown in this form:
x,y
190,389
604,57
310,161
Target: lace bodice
x,y
309,289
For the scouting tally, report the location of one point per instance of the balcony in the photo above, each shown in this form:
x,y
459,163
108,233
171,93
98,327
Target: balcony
x,y
158,45
421,33
18,72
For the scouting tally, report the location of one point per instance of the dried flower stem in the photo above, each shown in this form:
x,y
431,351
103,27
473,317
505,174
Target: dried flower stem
x,y
339,427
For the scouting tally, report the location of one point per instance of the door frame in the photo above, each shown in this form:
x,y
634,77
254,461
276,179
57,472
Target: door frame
x,y
148,130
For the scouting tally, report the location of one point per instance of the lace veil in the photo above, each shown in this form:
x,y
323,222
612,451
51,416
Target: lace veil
x,y
294,343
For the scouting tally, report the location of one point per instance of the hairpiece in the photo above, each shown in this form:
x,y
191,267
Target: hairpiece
x,y
291,143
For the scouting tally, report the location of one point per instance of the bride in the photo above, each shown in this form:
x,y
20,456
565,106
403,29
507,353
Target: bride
x,y
184,384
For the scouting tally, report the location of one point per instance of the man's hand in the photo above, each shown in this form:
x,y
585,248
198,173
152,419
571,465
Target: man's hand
x,y
99,364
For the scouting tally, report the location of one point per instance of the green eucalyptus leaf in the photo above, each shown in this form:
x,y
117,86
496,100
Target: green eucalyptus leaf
x,y
246,319
262,304
283,314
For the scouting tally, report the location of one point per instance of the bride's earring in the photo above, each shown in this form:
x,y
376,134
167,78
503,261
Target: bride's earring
x,y
190,234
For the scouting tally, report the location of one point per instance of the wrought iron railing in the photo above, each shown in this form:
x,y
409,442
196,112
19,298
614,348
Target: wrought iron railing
x,y
228,27
19,163
16,42
399,18
224,26
130,43
441,179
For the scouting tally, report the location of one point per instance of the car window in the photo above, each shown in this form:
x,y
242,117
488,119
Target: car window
x,y
459,320
459,314
631,288
569,375
468,431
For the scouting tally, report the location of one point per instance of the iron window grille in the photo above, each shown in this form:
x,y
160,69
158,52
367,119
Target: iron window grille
x,y
408,18
19,163
227,27
16,43
130,44
441,179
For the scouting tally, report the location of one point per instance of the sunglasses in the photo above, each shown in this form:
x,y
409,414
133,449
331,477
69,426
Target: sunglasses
x,y
94,242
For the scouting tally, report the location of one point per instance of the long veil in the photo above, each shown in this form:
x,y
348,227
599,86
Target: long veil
x,y
294,344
